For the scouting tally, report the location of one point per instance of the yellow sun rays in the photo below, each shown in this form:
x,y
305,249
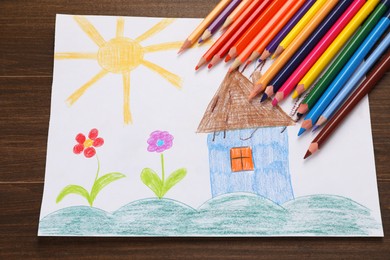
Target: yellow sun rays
x,y
121,55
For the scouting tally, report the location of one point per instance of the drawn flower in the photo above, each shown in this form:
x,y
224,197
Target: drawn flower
x,y
87,145
159,141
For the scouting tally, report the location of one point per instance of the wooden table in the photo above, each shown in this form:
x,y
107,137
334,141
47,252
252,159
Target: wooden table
x,y
26,64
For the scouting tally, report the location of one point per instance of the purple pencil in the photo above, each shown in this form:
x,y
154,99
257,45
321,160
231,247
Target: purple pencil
x,y
218,22
270,49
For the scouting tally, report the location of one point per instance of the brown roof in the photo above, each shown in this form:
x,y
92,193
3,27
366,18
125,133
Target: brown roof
x,y
230,108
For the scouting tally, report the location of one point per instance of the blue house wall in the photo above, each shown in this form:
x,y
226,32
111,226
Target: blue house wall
x,y
270,177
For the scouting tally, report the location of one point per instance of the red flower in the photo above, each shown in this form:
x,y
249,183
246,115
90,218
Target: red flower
x,y
87,145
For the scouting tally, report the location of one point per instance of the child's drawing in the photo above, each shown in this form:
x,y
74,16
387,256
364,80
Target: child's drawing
x,y
121,55
87,147
247,151
160,141
246,176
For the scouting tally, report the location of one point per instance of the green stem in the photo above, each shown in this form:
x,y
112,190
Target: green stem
x,y
162,168
96,177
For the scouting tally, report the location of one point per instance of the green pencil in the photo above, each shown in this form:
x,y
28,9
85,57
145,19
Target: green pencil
x,y
343,58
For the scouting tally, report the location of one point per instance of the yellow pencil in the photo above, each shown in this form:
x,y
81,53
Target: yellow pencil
x,y
299,26
292,48
236,13
194,36
334,48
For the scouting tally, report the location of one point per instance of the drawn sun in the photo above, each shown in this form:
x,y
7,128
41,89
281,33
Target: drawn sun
x,y
121,55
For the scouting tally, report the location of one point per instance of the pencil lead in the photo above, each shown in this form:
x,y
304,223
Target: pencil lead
x,y
301,131
264,97
299,116
295,94
274,102
308,153
209,66
315,127
197,67
228,57
200,41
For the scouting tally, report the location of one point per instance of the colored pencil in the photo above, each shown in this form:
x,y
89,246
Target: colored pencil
x,y
194,36
217,23
353,82
367,85
274,25
236,13
334,48
292,48
345,74
305,49
299,27
253,12
255,28
271,47
344,55
228,34
308,61
261,42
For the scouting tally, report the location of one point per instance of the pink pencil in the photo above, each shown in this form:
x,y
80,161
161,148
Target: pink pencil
x,y
315,54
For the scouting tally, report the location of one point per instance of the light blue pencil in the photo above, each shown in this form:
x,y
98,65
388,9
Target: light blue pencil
x,y
345,74
353,82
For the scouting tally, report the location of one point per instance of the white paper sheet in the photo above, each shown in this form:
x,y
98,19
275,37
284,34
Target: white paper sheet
x,y
334,193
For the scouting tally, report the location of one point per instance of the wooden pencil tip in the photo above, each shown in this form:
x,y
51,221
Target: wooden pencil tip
x,y
299,115
264,97
274,102
315,127
185,46
295,94
197,67
308,153
301,131
210,66
228,57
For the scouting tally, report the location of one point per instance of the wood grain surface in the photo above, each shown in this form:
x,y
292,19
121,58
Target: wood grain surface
x,y
26,64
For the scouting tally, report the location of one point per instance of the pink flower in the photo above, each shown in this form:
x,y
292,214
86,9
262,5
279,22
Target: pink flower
x,y
87,145
159,141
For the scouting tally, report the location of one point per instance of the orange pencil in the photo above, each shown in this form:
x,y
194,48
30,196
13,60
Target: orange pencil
x,y
268,32
292,48
256,27
228,33
194,36
254,14
236,13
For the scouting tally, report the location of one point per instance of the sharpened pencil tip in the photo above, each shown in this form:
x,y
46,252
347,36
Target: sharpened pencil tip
x,y
301,131
315,127
228,57
274,102
210,66
299,115
200,40
295,94
197,67
264,97
308,153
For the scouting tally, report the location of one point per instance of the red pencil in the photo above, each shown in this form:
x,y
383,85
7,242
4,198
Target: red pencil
x,y
365,87
274,25
240,31
258,25
228,34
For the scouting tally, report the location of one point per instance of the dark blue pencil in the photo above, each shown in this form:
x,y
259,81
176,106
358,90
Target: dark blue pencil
x,y
305,49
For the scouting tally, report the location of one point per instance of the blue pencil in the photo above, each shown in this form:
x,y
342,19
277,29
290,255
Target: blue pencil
x,y
271,48
353,82
345,73
305,49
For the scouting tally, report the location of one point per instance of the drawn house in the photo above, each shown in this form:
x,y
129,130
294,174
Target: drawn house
x,y
248,152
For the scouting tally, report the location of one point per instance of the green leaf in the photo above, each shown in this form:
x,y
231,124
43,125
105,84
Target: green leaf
x,y
173,179
152,180
103,181
73,189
